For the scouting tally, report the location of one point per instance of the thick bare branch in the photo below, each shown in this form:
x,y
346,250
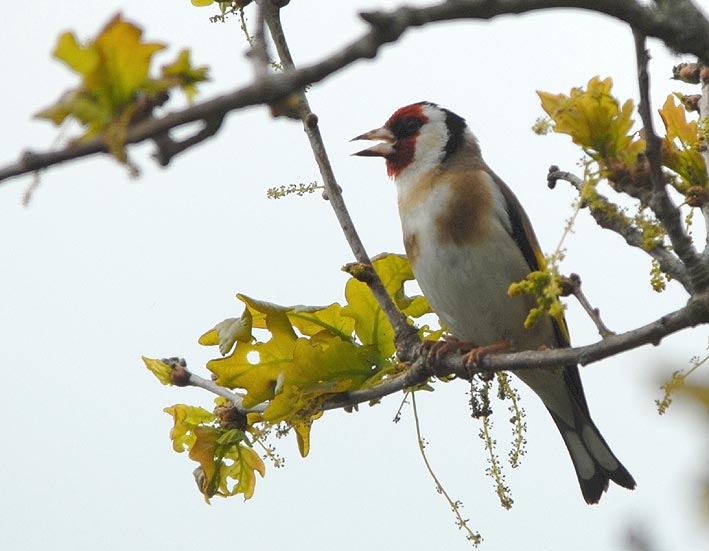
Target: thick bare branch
x,y
680,25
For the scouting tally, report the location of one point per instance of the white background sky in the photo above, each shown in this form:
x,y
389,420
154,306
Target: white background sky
x,y
100,269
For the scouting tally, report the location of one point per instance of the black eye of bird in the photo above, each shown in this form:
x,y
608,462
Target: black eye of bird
x,y
413,125
407,127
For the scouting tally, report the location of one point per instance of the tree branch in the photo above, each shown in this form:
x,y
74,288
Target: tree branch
x,y
679,23
681,26
668,262
704,119
424,366
167,148
574,288
406,336
660,202
696,312
181,376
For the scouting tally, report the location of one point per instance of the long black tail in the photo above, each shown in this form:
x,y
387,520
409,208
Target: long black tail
x,y
593,460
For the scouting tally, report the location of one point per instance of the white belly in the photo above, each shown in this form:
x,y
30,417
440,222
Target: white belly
x,y
467,288
466,284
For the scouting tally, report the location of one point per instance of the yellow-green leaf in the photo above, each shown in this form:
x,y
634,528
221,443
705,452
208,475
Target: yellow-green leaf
x,y
81,59
680,148
371,324
203,450
125,60
228,332
395,270
256,367
246,464
223,457
312,320
595,120
319,369
159,368
676,124
186,419
115,87
181,73
302,433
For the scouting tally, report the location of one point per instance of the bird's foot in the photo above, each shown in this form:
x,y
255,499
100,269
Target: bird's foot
x,y
449,343
473,352
471,359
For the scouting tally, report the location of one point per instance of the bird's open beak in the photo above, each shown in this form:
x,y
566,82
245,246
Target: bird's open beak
x,y
381,149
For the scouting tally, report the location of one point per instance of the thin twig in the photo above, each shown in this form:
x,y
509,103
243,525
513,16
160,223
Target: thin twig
x,y
574,285
259,48
234,397
667,261
406,337
660,202
181,376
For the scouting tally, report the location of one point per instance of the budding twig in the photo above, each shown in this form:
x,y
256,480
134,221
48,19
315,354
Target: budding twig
x,y
181,376
572,286
668,261
660,202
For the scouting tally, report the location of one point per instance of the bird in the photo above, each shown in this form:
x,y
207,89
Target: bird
x,y
468,238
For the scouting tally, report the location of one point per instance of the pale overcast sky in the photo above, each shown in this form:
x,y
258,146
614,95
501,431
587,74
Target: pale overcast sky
x,y
100,269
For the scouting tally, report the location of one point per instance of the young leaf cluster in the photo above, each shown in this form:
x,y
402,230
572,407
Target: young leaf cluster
x,y
227,461
115,88
545,286
615,153
288,361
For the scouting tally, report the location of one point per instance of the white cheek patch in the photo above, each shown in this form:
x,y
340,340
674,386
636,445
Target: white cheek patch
x,y
430,143
599,450
430,146
582,460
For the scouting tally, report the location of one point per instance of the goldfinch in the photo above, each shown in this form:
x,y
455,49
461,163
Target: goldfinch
x,y
468,239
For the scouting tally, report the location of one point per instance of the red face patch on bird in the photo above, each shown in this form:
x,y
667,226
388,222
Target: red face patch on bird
x,y
405,124
399,134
